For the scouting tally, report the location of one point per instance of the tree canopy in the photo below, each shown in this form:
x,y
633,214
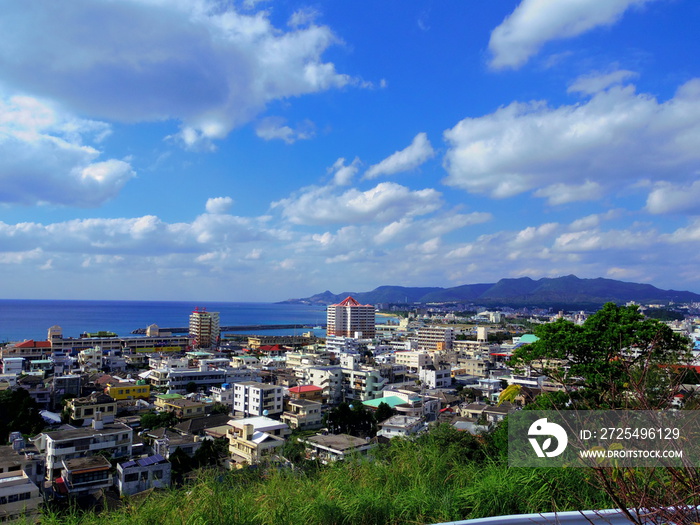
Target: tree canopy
x,y
614,359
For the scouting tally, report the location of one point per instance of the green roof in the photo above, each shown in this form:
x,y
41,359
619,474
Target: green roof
x,y
169,396
529,338
392,401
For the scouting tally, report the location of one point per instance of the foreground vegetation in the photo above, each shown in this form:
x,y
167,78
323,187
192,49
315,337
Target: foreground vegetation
x,y
443,476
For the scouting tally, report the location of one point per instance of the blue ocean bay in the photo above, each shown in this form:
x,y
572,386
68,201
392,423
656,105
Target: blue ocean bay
x,y
30,319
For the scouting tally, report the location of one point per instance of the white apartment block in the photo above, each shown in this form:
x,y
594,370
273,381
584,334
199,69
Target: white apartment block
x,y
257,399
413,361
363,385
349,318
434,338
329,378
432,378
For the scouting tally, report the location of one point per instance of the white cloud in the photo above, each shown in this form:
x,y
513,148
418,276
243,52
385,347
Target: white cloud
x,y
272,128
385,202
418,152
674,198
342,173
615,139
208,66
43,157
219,205
560,193
596,82
535,22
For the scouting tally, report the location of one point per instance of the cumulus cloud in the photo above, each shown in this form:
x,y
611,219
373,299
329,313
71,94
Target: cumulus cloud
x,y
219,205
44,158
419,151
385,202
204,64
616,138
275,128
342,173
535,22
674,198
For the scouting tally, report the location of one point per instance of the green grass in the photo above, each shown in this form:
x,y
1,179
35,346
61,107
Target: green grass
x,y
436,479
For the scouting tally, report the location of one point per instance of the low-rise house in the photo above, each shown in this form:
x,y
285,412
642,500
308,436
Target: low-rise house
x,y
309,392
21,457
20,497
135,476
303,414
85,475
400,426
335,447
86,408
251,446
182,408
120,390
166,442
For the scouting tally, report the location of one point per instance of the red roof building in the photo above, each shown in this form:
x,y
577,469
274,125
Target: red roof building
x,y
349,318
310,392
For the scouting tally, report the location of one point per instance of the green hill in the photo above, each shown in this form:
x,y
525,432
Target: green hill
x,y
568,291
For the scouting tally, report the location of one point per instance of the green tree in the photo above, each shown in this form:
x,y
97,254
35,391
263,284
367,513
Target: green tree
x,y
18,413
383,412
191,387
355,420
617,358
158,420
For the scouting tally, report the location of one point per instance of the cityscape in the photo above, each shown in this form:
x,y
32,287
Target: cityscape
x,y
94,419
273,262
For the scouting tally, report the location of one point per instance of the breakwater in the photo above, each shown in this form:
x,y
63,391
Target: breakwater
x,y
239,328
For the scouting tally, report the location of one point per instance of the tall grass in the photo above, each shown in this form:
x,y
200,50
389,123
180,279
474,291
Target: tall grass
x,y
428,481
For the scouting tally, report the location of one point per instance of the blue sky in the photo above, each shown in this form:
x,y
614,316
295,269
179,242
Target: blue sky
x,y
264,150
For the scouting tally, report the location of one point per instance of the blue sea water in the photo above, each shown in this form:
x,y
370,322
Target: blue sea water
x,y
31,319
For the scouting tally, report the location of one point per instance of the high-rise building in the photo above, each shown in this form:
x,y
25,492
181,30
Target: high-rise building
x,y
204,328
351,319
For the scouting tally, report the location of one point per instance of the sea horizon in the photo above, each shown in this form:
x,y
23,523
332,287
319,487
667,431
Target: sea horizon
x,y
22,319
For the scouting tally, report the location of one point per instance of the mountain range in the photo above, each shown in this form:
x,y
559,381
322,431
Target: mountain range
x,y
568,291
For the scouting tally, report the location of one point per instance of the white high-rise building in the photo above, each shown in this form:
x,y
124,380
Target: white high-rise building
x,y
204,328
351,319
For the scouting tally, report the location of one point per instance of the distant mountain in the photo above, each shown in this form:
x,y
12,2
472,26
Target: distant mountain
x,y
562,292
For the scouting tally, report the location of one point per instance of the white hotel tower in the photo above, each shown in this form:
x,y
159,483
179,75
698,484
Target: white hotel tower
x,y
350,319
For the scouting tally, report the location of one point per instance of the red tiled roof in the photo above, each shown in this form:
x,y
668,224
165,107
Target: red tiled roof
x,y
31,343
270,348
305,388
350,301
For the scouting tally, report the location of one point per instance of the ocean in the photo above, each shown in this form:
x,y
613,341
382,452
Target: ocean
x,y
31,319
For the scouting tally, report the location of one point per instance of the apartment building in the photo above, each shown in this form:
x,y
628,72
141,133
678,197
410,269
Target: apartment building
x,y
435,378
257,399
435,338
86,475
413,361
328,378
204,328
349,318
362,385
335,447
114,438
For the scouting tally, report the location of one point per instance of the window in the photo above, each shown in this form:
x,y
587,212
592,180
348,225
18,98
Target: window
x,y
128,478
